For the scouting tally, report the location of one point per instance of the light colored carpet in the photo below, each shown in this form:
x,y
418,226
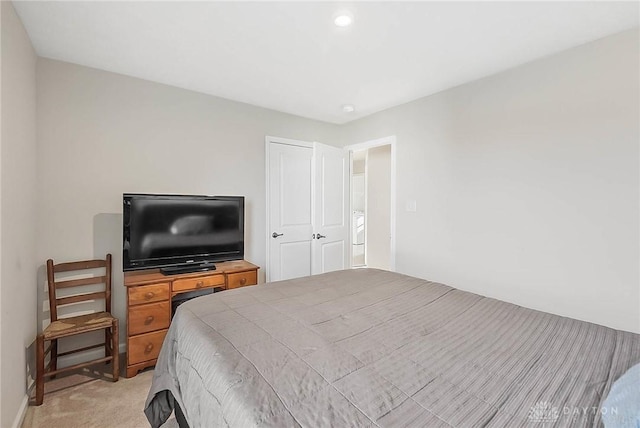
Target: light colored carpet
x,y
88,400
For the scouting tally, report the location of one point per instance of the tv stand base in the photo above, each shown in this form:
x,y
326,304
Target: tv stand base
x,y
190,268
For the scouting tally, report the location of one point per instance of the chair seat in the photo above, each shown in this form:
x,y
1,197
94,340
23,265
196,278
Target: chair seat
x,y
80,324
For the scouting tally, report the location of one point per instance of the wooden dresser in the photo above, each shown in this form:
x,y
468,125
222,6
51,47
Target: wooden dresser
x,y
149,294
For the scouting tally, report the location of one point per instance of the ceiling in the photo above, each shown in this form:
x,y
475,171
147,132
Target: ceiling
x,y
291,57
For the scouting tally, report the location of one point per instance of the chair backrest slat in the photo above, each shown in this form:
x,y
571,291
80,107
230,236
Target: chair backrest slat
x,y
52,269
88,264
80,298
83,281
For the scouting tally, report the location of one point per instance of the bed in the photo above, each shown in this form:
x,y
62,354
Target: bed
x,y
366,347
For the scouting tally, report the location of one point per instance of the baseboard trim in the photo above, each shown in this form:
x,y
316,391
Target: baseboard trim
x,y
22,412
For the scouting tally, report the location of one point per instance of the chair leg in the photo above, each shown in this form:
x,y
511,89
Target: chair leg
x,y
115,352
39,369
54,356
108,350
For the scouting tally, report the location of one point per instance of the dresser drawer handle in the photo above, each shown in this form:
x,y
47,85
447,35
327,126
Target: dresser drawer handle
x,y
149,348
149,320
243,281
149,295
199,284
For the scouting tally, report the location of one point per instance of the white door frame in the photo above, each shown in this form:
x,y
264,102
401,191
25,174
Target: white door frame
x,y
390,141
268,141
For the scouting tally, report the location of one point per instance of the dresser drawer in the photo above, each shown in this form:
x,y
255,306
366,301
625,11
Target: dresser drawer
x,y
144,347
148,293
240,279
199,282
149,317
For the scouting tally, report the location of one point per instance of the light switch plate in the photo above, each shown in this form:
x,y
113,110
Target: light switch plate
x,y
411,206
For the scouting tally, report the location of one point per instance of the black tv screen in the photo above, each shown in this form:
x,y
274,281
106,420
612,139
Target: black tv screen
x,y
172,230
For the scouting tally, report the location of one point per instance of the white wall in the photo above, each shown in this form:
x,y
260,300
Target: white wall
x,y
101,134
378,214
527,183
1,138
17,214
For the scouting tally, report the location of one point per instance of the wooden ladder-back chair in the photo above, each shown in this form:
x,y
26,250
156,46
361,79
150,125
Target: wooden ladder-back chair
x,y
75,325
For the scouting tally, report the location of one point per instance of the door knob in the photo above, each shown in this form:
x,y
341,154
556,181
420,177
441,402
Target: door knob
x,y
275,235
320,236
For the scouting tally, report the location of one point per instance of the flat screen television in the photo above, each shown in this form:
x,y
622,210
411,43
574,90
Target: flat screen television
x,y
181,233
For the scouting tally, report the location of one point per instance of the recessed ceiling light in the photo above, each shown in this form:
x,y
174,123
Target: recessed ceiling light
x,y
343,20
348,108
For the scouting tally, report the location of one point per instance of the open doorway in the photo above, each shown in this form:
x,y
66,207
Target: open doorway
x,y
373,204
358,208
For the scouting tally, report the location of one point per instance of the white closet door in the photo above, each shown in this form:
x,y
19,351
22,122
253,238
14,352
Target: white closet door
x,y
290,207
330,249
308,209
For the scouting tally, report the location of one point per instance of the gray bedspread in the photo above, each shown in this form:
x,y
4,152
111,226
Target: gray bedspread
x,y
365,347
